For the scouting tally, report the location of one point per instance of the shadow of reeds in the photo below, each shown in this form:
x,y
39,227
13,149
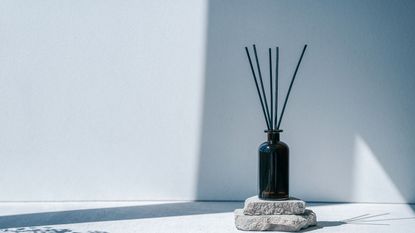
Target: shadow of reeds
x,y
365,219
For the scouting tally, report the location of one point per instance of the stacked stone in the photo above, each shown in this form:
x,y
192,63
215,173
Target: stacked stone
x,y
264,215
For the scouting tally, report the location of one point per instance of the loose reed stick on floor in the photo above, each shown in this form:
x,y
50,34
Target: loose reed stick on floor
x,y
277,57
262,85
257,88
291,84
271,89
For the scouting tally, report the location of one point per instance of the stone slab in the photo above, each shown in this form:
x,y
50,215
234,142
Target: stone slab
x,y
274,222
256,206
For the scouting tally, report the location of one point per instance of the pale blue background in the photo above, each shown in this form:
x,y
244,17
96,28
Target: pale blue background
x,y
154,100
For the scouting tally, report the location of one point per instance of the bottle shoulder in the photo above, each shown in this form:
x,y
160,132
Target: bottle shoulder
x,y
267,146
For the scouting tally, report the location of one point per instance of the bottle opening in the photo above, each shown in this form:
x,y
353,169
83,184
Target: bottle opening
x,y
273,135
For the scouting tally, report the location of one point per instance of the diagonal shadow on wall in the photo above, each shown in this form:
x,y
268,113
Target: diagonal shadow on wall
x,y
356,79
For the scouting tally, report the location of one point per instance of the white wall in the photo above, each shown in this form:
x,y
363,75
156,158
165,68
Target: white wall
x,y
100,99
108,100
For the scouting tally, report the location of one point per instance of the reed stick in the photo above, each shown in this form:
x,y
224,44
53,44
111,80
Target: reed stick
x,y
262,85
291,84
271,89
257,87
277,57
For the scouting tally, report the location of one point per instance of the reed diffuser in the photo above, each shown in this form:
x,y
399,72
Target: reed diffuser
x,y
273,154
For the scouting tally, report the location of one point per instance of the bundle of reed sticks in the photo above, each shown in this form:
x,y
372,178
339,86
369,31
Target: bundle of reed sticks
x,y
269,114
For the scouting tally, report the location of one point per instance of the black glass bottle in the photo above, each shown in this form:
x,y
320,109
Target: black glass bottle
x,y
273,168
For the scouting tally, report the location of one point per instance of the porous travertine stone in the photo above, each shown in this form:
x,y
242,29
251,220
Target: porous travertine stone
x,y
256,206
274,222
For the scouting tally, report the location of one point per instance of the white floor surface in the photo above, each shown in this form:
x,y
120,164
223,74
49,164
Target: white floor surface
x,y
172,217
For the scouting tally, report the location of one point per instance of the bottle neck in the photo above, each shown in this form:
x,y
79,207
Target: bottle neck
x,y
273,136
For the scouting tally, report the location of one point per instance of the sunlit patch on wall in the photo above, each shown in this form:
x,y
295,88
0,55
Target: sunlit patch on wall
x,y
371,183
